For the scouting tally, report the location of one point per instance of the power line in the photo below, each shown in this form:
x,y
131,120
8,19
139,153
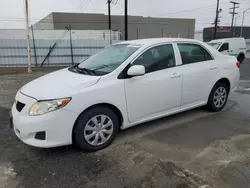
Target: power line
x,y
114,3
84,6
80,6
190,10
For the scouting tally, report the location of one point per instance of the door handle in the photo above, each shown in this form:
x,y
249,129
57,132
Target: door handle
x,y
212,67
175,75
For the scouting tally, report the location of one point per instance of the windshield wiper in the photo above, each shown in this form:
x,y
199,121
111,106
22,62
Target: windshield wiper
x,y
105,65
85,70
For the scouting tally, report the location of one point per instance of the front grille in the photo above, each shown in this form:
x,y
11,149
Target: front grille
x,y
19,106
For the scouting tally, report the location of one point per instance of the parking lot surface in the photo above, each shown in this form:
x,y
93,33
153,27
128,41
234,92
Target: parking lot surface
x,y
191,149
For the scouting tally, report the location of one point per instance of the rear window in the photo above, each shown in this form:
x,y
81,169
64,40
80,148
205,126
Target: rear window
x,y
193,53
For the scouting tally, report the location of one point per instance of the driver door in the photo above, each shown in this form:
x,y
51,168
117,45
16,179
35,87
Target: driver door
x,y
224,49
159,90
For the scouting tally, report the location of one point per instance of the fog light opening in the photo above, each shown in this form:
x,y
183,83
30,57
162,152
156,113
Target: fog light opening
x,y
40,135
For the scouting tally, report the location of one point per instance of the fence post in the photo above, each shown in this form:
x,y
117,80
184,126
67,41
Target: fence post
x,y
137,33
162,32
110,36
71,47
34,45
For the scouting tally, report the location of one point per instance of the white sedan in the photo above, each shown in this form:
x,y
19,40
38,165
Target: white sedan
x,y
121,86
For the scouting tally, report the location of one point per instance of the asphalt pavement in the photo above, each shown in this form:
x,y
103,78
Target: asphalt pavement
x,y
191,149
245,70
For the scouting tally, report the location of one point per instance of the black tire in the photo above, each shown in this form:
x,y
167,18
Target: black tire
x,y
241,58
78,131
211,104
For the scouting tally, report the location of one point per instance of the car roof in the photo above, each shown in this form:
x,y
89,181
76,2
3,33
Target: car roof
x,y
151,41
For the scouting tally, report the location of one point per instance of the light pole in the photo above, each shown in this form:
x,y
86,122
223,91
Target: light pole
x,y
244,12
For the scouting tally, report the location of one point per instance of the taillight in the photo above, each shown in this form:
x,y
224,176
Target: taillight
x,y
238,64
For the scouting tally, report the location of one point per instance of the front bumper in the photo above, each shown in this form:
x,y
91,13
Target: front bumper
x,y
57,125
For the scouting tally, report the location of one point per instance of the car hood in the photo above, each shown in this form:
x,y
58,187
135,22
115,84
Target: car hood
x,y
57,84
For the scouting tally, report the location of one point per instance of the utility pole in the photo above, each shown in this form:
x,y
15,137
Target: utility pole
x,y
28,35
242,24
126,19
233,14
216,19
109,12
235,24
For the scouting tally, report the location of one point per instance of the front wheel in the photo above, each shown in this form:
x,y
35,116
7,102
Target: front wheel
x,y
218,97
95,129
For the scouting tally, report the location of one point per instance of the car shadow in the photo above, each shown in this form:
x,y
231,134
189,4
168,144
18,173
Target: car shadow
x,y
161,124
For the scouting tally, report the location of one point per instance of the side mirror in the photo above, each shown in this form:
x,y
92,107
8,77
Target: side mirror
x,y
136,70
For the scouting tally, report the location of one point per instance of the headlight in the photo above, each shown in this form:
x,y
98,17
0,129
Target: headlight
x,y
43,107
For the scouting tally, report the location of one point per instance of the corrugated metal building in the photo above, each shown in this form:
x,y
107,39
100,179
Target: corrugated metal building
x,y
225,32
138,26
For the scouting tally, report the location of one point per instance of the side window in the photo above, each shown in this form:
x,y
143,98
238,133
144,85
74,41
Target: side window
x,y
157,58
224,47
193,53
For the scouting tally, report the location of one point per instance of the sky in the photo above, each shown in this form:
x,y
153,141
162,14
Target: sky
x,y
12,12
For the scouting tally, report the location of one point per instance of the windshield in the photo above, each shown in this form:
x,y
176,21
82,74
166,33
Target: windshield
x,y
215,45
109,59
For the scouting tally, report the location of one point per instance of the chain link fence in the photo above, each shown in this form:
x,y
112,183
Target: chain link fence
x,y
52,48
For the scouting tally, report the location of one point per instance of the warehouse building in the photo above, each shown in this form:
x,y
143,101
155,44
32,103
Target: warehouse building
x,y
138,26
225,32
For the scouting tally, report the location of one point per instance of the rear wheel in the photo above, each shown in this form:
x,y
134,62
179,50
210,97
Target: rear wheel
x,y
241,58
95,129
218,97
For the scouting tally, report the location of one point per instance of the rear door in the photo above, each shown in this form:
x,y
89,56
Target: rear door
x,y
200,72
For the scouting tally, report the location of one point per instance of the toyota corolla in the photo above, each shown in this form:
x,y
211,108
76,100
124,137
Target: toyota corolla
x,y
123,85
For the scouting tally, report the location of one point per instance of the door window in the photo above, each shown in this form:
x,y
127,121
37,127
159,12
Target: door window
x,y
157,58
224,47
193,53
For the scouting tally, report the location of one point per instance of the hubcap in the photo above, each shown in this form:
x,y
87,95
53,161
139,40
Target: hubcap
x,y
220,97
98,130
